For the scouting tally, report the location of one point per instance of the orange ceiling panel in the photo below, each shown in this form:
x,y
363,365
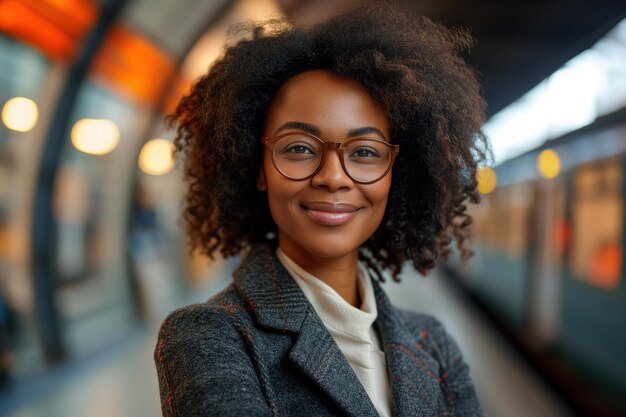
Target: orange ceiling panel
x,y
56,27
132,65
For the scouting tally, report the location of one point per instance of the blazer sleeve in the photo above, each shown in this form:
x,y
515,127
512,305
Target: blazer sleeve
x,y
455,378
204,368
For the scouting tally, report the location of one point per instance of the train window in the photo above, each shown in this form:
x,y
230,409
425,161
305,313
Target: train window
x,y
504,222
515,222
596,255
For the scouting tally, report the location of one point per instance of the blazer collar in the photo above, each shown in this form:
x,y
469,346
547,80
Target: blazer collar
x,y
278,303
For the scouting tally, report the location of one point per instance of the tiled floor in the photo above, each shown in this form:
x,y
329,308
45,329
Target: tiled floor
x,y
121,382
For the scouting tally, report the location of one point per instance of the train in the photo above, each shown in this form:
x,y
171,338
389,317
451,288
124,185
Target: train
x,y
549,261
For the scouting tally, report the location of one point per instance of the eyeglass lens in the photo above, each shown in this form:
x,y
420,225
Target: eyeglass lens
x,y
298,156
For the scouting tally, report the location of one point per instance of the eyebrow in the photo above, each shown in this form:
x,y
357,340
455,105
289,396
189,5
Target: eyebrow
x,y
365,130
299,125
316,131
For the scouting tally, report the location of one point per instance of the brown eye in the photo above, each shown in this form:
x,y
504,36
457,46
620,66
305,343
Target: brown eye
x,y
303,149
365,153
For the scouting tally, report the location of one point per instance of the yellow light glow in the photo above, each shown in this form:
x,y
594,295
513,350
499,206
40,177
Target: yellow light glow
x,y
20,114
487,179
548,163
95,136
156,157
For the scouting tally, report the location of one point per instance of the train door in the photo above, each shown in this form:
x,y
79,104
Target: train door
x,y
550,235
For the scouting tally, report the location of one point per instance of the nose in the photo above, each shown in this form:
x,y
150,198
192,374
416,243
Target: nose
x,y
331,174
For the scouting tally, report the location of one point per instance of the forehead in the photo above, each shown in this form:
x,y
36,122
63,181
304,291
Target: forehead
x,y
333,103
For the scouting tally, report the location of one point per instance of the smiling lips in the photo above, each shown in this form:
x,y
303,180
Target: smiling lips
x,y
331,214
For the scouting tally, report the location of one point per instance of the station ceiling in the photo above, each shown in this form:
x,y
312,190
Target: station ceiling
x,y
518,43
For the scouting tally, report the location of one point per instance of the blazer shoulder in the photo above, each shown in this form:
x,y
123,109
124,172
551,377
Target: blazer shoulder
x,y
203,361
420,323
432,335
217,314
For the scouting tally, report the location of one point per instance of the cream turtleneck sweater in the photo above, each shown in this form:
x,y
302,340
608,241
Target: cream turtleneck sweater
x,y
351,328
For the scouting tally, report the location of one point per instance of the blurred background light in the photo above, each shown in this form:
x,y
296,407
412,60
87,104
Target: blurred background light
x,y
156,157
548,163
20,114
487,179
95,136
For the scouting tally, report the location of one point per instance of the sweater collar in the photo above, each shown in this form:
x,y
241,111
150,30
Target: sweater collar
x,y
277,301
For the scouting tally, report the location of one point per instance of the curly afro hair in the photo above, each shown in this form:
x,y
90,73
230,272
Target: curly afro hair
x,y
409,64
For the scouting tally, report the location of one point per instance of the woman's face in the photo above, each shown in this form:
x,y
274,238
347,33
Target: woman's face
x,y
327,216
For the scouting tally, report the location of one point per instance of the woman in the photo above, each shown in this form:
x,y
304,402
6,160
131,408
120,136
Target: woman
x,y
328,157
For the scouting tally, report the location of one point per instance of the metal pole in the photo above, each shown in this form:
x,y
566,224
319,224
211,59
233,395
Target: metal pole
x,y
44,224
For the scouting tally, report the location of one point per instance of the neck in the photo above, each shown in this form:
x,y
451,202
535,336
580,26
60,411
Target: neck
x,y
339,273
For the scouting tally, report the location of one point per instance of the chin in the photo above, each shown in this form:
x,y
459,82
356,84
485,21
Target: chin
x,y
330,248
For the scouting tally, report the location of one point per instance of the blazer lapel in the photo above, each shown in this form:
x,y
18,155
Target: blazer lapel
x,y
413,373
279,304
318,356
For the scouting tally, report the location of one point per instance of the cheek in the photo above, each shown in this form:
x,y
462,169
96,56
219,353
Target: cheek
x,y
378,193
280,192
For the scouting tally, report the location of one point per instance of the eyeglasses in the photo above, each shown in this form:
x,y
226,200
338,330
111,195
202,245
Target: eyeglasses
x,y
299,156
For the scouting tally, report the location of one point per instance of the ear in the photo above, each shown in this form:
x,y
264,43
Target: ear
x,y
261,183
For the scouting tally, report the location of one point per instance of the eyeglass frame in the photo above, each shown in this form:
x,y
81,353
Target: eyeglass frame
x,y
337,146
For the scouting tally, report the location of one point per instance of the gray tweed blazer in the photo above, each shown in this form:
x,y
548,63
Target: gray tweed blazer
x,y
259,349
